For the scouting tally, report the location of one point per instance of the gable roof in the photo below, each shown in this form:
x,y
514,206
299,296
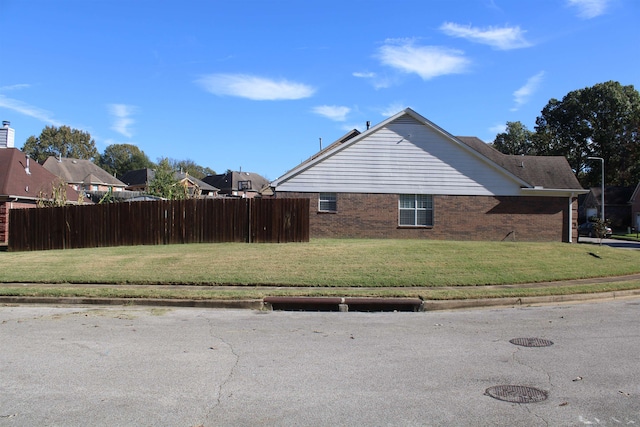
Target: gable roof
x,y
613,195
230,181
142,177
15,182
542,174
80,171
181,176
138,177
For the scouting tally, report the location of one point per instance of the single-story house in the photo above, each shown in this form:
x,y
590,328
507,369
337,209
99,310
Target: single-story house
x,y
617,206
238,184
139,180
83,175
408,178
23,182
634,201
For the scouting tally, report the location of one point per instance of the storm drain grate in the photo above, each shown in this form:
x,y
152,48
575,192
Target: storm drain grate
x,y
516,393
531,342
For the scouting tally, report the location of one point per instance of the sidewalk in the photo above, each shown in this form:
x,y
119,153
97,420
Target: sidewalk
x,y
334,303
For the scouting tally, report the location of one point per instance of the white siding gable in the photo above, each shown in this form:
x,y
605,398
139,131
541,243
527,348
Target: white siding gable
x,y
402,156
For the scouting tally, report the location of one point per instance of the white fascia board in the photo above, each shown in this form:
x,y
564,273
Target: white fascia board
x,y
17,199
547,192
635,194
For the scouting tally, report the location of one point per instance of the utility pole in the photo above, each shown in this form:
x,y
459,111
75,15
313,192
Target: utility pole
x,y
602,192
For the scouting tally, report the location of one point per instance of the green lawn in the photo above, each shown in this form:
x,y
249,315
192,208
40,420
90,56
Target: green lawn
x,y
634,237
323,264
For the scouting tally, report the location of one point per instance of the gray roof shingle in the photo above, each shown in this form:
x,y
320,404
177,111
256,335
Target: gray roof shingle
x,y
80,171
538,171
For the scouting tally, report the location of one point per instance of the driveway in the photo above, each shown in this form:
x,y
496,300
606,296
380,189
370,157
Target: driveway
x,y
614,243
132,366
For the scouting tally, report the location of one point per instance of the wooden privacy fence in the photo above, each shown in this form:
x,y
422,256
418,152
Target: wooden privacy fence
x,y
160,223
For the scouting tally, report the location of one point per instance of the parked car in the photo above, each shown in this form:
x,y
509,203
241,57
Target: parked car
x,y
589,229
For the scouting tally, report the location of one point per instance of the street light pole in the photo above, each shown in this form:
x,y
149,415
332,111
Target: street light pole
x,y
602,192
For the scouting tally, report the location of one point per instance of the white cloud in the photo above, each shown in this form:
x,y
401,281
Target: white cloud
x,y
28,110
364,75
254,87
522,95
588,9
333,112
393,109
379,82
122,114
15,87
501,38
426,61
498,129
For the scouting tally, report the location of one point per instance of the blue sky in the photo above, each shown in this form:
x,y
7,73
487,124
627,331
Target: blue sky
x,y
256,84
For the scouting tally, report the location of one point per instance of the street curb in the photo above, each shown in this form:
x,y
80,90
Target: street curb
x,y
311,304
526,301
159,302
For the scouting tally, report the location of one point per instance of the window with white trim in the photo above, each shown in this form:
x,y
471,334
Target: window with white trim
x,y
328,202
415,210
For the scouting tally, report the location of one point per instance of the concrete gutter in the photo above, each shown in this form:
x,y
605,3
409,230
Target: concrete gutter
x,y
327,303
159,302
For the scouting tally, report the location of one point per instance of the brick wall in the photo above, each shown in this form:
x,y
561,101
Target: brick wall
x,y
4,223
4,218
455,218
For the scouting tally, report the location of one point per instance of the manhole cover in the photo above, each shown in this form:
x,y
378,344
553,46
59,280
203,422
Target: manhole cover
x,y
531,342
516,393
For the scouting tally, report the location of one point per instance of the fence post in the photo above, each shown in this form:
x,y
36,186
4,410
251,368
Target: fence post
x,y
249,205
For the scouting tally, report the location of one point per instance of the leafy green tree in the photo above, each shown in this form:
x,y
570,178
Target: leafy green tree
x,y
58,196
62,141
598,121
517,139
165,184
191,167
118,159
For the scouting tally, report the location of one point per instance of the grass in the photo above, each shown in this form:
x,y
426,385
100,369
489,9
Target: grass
x,y
320,267
634,237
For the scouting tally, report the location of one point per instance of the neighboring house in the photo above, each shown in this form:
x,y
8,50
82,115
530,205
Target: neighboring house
x,y
617,206
83,175
23,182
139,180
635,208
238,184
408,178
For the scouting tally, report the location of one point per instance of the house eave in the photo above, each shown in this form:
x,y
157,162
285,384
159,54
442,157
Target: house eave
x,y
14,198
17,199
541,191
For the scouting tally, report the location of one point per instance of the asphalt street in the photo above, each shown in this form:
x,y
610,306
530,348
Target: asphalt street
x,y
137,366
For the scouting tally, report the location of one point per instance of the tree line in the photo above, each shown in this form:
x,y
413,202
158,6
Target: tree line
x,y
117,159
598,121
